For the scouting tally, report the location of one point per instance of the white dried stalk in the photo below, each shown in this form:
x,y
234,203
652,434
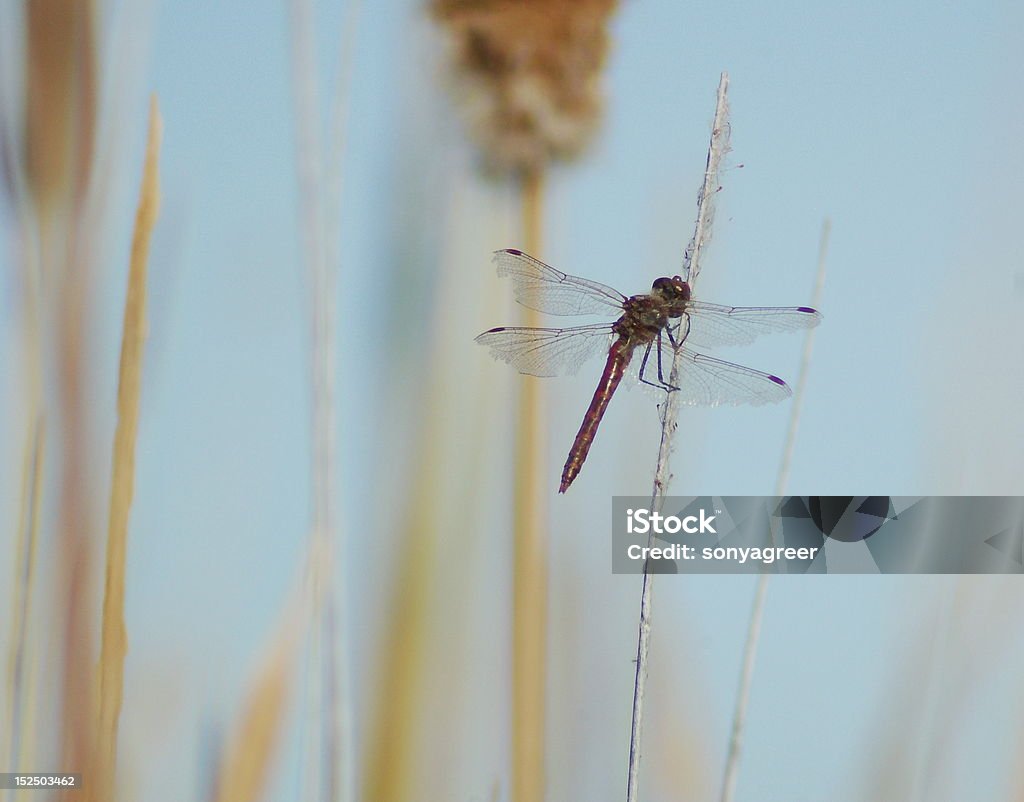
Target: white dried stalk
x,y
717,149
739,721
319,201
341,777
719,146
805,363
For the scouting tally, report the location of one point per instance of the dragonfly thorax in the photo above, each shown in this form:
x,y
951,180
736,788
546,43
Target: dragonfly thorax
x,y
645,316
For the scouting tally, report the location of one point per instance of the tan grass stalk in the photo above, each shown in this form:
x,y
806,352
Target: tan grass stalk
x,y
391,742
397,754
730,774
527,75
718,147
23,585
114,641
59,131
60,101
530,556
245,769
401,688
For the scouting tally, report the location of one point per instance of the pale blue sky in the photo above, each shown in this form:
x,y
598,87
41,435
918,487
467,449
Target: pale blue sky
x,y
900,122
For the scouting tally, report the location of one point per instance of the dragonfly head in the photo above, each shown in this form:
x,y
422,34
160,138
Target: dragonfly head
x,y
673,290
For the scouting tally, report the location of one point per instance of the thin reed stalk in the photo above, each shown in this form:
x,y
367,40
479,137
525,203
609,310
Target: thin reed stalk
x,y
718,147
245,769
23,583
730,774
394,751
805,364
391,750
17,737
320,200
530,555
114,640
340,779
527,76
60,96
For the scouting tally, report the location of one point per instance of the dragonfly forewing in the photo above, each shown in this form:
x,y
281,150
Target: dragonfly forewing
x,y
542,287
714,324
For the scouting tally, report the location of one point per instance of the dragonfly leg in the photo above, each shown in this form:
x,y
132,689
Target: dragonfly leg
x,y
661,384
643,368
661,375
671,338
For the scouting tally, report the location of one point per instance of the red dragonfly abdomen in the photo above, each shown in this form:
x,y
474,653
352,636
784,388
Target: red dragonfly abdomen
x,y
619,355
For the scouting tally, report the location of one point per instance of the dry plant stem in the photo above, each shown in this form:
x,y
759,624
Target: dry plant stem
x,y
23,582
319,202
530,578
248,758
669,422
114,644
399,714
21,675
925,755
805,362
739,721
732,761
60,113
340,782
402,730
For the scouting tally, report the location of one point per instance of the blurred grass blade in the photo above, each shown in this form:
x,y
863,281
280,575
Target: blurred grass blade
x,y
60,101
23,586
249,756
60,95
319,205
114,643
530,572
730,774
527,78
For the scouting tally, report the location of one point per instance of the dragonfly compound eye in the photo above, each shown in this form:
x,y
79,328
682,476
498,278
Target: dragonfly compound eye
x,y
673,289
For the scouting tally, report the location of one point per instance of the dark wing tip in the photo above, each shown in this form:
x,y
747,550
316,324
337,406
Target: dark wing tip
x,y
778,381
513,251
479,337
809,310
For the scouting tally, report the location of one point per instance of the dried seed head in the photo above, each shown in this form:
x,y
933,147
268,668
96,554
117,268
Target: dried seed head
x,y
527,73
60,96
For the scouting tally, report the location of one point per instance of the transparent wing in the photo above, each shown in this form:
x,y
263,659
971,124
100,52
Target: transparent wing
x,y
541,287
713,324
547,352
706,381
652,387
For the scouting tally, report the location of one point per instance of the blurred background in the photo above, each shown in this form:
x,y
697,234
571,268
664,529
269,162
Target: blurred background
x,y
900,123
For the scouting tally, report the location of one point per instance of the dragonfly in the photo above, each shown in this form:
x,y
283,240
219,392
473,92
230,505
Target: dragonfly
x,y
656,326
